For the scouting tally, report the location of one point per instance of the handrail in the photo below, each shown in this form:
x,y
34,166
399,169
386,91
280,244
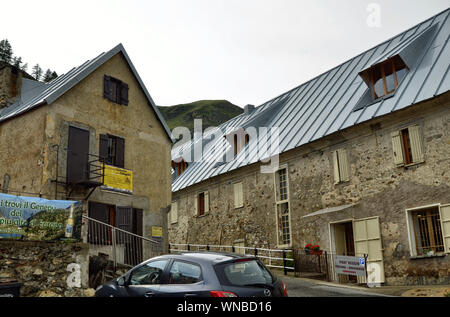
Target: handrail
x,y
120,230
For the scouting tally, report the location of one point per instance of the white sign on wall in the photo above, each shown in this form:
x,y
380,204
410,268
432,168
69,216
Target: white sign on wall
x,y
350,265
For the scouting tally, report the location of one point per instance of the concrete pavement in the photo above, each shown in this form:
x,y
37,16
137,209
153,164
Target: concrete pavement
x,y
302,287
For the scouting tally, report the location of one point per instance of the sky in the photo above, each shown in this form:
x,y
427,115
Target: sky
x,y
244,51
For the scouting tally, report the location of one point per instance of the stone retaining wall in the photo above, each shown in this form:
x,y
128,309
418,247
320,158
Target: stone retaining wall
x,y
46,269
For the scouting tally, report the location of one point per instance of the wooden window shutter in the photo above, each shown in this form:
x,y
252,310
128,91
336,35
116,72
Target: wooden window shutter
x,y
120,152
238,196
445,225
337,177
344,173
206,202
196,205
107,88
416,144
98,212
103,150
397,147
174,213
138,222
124,94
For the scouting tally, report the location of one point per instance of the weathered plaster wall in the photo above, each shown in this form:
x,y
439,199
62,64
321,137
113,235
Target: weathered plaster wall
x,y
376,186
147,148
22,152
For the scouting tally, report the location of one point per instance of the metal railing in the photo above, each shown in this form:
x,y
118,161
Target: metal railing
x,y
274,258
122,247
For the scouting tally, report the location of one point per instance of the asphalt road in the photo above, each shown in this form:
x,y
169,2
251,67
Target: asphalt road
x,y
297,287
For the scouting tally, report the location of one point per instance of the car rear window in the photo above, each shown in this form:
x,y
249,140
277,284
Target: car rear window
x,y
245,273
184,273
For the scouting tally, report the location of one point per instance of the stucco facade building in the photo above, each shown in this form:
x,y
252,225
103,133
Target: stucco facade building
x,y
54,138
363,165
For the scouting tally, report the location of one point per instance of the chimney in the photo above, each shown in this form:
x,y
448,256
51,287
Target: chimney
x,y
10,84
248,109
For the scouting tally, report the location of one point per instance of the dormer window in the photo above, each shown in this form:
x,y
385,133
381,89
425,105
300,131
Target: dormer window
x,y
386,76
179,167
240,140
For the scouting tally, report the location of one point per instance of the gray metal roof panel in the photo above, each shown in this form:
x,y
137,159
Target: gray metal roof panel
x,y
49,92
325,104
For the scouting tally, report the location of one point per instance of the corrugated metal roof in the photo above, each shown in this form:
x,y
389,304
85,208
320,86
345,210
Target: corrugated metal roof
x,y
36,94
326,103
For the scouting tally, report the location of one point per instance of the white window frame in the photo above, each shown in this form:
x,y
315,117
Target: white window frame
x,y
410,227
280,202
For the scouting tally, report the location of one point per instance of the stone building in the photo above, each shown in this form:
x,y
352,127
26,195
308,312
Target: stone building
x,y
56,136
364,165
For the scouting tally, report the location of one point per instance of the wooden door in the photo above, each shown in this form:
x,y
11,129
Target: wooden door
x,y
368,241
77,155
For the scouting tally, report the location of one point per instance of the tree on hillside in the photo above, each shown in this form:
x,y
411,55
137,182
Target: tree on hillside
x,y
17,62
6,52
37,72
49,75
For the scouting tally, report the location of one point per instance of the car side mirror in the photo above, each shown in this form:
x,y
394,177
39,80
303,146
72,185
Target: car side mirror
x,y
122,281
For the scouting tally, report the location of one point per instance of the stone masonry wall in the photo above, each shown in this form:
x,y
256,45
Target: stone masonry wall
x,y
376,188
43,267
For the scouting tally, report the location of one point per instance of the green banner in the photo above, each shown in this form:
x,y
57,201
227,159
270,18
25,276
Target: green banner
x,y
37,219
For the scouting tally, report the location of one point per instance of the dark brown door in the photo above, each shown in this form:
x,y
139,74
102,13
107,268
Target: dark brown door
x,y
350,243
98,233
349,240
77,155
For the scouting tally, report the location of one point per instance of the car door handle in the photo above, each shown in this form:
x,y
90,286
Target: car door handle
x,y
149,294
190,295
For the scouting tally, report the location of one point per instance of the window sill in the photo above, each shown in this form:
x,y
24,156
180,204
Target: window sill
x,y
418,257
341,182
284,246
406,166
202,216
113,191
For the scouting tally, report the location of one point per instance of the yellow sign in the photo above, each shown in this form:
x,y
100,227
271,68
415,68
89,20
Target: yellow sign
x,y
118,179
157,232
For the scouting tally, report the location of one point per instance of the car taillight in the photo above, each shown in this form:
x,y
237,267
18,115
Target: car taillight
x,y
222,294
284,290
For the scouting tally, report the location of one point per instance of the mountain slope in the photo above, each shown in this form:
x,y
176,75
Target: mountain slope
x,y
212,112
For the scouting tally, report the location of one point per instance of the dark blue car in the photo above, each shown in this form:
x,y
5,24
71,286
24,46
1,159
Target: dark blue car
x,y
200,274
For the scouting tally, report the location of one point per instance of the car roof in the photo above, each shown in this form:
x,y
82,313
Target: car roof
x,y
207,257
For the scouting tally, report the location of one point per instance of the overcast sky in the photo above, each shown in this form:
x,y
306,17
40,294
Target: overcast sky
x,y
245,51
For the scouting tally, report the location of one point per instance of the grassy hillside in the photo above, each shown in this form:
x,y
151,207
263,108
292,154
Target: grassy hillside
x,y
212,112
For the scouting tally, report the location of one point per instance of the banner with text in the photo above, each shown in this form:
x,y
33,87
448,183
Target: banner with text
x,y
37,219
350,265
118,179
